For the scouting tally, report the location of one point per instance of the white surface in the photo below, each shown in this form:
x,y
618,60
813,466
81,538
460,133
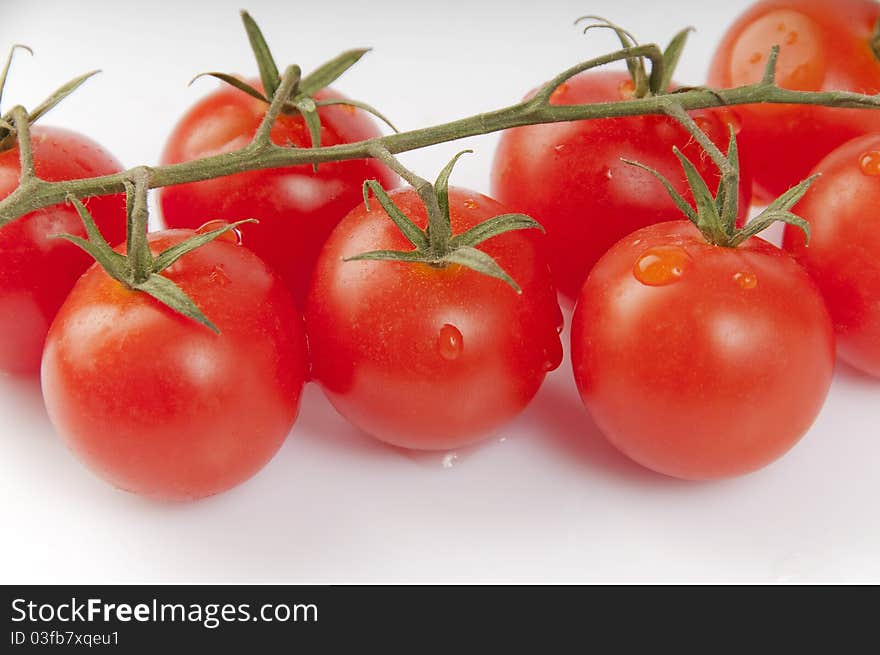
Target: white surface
x,y
552,502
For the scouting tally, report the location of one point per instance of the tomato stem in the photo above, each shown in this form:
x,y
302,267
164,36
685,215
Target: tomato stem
x,y
263,154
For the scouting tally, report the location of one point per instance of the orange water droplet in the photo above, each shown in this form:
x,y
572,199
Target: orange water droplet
x,y
870,162
219,275
470,203
349,109
450,343
661,265
780,27
559,91
232,236
626,89
755,57
791,38
552,354
746,279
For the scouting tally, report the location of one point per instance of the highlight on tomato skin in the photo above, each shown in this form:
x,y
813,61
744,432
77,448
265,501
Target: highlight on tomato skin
x,y
823,46
843,255
297,207
158,404
424,357
570,177
36,271
700,361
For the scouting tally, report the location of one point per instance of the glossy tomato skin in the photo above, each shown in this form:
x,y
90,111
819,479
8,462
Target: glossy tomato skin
x,y
428,358
823,46
161,406
297,208
37,271
713,368
843,256
570,177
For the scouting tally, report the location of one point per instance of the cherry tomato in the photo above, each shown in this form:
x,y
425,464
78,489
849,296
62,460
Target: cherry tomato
x,y
843,255
700,361
297,207
823,46
158,404
430,358
37,271
570,177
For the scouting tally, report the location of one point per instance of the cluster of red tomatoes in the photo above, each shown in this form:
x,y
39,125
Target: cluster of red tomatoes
x,y
696,360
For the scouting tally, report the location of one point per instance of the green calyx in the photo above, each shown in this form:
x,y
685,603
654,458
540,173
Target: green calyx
x,y
139,270
662,65
436,245
301,99
715,216
7,128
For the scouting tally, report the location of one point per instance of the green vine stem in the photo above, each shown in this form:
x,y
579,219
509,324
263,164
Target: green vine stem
x,y
261,153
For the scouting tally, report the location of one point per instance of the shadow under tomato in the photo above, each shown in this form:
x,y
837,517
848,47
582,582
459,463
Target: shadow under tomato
x,y
563,423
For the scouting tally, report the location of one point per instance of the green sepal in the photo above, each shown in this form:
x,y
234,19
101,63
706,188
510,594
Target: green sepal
x,y
360,105
677,198
391,256
636,65
727,198
707,212
235,82
480,262
670,59
493,227
104,257
327,73
171,295
167,257
60,94
764,220
265,62
441,188
410,230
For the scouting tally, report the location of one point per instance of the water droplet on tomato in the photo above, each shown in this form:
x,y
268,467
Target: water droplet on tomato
x,y
791,38
755,58
870,162
232,236
661,265
450,343
558,318
552,354
626,89
559,147
219,275
746,280
449,460
470,203
609,173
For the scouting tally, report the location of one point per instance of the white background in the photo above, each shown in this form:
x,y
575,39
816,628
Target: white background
x,y
546,501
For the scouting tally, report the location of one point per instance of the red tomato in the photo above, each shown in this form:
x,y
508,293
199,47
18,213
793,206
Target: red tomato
x,y
700,361
823,46
36,271
297,208
423,357
156,403
570,177
844,252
